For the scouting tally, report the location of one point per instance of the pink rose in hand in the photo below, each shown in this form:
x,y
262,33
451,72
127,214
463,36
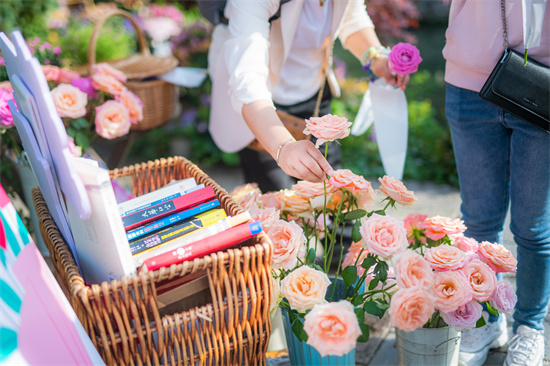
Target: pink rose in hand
x,y
332,328
327,128
411,308
404,58
112,120
464,317
504,298
397,191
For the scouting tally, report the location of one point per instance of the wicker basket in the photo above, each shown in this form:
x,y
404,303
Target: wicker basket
x,y
158,96
230,326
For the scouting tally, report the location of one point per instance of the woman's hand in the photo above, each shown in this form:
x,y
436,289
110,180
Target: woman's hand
x,y
302,160
380,68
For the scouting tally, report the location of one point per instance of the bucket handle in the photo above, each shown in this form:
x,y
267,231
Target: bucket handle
x,y
455,339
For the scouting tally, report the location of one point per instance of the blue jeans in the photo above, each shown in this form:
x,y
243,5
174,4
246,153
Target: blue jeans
x,y
504,162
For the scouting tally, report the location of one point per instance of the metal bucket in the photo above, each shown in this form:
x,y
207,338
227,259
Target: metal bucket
x,y
428,346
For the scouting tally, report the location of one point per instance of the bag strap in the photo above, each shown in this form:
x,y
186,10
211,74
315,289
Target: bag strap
x,y
504,29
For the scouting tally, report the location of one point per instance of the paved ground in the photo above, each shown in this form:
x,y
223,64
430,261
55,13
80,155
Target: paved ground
x,y
432,200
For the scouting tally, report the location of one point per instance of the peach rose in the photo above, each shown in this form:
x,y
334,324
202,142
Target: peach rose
x,y
410,308
332,329
108,70
295,204
465,316
287,239
446,257
437,227
504,298
397,191
311,190
267,216
276,297
482,279
51,72
344,178
69,101
327,128
466,244
384,235
272,199
107,84
66,76
451,290
497,257
365,197
412,222
240,191
412,270
112,120
133,103
304,288
250,200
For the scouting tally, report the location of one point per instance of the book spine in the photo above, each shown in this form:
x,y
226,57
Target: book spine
x,y
172,219
193,189
181,229
166,208
214,243
156,195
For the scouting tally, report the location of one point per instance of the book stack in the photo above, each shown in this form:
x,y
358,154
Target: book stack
x,y
179,222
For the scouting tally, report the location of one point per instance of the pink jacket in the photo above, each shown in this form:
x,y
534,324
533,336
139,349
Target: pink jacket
x,y
475,42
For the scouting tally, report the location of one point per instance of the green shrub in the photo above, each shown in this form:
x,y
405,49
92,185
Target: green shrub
x,y
30,17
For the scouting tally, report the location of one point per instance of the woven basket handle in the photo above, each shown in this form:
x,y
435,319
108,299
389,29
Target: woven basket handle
x,y
144,49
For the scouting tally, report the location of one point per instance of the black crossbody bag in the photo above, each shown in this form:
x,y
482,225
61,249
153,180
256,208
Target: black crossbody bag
x,y
518,88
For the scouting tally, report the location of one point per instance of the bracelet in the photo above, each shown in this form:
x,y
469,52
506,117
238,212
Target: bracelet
x,y
280,147
372,53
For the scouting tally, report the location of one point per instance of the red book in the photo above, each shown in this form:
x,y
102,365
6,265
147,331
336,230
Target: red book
x,y
166,208
211,244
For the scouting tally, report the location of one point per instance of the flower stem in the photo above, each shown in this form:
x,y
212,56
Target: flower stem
x,y
325,214
339,264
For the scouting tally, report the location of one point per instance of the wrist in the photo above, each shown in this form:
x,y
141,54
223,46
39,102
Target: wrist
x,y
280,148
369,56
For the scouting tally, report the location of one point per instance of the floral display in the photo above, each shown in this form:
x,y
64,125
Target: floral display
x,y
404,58
161,21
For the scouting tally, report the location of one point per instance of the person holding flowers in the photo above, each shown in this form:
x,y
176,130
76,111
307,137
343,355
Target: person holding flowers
x,y
276,54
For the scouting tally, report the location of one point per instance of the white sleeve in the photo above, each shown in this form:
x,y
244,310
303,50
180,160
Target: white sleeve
x,y
355,19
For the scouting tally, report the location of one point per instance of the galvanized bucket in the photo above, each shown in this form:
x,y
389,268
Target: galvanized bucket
x,y
428,346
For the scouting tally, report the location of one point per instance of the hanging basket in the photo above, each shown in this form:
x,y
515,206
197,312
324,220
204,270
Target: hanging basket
x,y
141,70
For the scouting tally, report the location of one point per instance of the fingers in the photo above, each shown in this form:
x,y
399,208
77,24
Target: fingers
x,y
302,160
402,81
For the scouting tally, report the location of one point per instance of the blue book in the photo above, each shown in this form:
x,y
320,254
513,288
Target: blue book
x,y
172,219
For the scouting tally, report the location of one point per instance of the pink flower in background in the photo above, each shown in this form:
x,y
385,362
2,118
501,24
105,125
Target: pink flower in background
x,y
327,128
482,279
133,103
295,204
240,191
66,76
345,178
310,189
438,226
267,216
69,101
51,72
250,200
107,70
411,308
107,84
112,120
397,191
6,119
412,270
404,58
304,288
6,85
332,328
272,199
287,239
451,290
413,221
85,85
365,197
497,257
504,298
384,235
464,317
390,281
73,149
446,257
467,244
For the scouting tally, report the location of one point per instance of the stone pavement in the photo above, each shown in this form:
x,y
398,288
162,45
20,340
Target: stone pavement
x,y
432,200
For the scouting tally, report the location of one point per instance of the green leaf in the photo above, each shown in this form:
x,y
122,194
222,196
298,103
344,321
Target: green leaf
x,y
491,309
360,313
380,212
82,140
71,131
365,333
349,274
298,330
354,215
382,271
356,233
373,283
480,322
311,255
368,262
80,123
372,308
318,267
357,301
291,316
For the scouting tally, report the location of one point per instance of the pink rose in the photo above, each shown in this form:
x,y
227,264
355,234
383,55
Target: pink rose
x,y
344,178
384,235
108,70
272,199
51,72
397,191
446,257
504,298
267,216
311,190
327,128
482,279
497,257
73,149
466,244
464,317
437,227
287,238
404,58
133,103
304,288
85,85
250,200
451,290
6,119
332,328
107,84
240,191
6,85
112,120
412,222
69,101
410,308
365,197
412,270
66,76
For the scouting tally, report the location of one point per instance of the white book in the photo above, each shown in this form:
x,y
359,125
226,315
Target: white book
x,y
101,243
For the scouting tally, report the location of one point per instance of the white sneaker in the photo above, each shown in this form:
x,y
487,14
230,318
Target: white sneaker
x,y
476,342
526,348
